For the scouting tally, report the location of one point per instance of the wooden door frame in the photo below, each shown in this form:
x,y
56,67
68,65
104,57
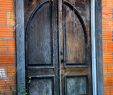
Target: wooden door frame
x,y
96,33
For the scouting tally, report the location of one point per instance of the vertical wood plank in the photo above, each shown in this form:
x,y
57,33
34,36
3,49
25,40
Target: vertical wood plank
x,y
20,49
98,27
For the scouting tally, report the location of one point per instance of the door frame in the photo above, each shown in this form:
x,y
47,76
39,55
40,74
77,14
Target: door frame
x,y
96,36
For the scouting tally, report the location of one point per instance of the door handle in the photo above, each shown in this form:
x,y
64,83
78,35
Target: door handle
x,y
61,57
62,60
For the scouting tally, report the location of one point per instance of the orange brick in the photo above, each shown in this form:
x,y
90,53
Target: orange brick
x,y
10,18
7,82
107,58
104,45
108,80
6,2
7,58
108,91
11,45
11,28
107,12
3,46
10,34
3,34
108,69
104,69
3,18
107,25
6,28
2,15
6,5
107,46
6,88
7,32
107,36
107,3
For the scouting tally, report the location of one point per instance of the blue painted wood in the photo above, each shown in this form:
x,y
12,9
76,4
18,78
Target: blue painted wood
x,y
93,44
98,31
20,49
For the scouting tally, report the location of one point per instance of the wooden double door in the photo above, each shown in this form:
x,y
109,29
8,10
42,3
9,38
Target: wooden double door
x,y
58,57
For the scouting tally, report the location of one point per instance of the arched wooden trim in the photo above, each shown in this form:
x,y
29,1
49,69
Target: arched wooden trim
x,y
83,27
36,10
42,5
79,18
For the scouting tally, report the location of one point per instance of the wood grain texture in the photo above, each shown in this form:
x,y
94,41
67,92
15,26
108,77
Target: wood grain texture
x,y
76,86
75,44
39,37
41,87
74,36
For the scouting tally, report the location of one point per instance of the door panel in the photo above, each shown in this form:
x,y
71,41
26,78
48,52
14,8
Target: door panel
x,y
74,38
76,85
40,37
41,86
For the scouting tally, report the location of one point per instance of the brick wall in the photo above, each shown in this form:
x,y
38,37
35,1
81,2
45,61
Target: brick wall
x,y
7,47
107,32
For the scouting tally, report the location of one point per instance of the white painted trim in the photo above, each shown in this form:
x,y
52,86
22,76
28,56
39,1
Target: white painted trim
x,y
93,43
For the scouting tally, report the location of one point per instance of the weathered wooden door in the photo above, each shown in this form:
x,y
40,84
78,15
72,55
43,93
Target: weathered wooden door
x,y
58,57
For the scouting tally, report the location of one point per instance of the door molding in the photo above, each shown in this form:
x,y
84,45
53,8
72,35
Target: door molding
x,y
96,32
98,40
